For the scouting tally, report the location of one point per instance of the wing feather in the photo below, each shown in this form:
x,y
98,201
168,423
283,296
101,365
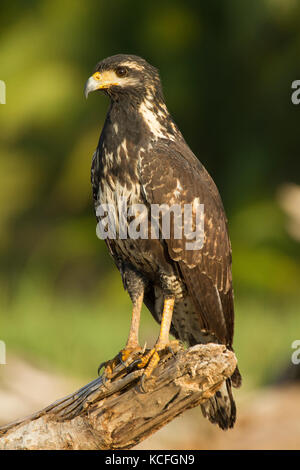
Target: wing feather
x,y
171,174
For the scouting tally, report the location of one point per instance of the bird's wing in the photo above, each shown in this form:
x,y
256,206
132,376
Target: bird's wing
x,y
171,174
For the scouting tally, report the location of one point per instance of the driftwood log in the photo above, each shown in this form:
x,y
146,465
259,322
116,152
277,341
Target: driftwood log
x,y
117,414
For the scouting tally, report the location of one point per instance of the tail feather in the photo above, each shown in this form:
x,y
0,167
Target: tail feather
x,y
236,378
221,408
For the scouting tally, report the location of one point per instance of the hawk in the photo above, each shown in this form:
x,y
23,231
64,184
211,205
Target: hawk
x,y
142,159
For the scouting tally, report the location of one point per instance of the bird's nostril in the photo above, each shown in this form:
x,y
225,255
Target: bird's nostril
x,y
97,76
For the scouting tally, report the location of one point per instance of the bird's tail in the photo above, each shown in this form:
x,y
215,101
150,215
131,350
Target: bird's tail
x,y
221,409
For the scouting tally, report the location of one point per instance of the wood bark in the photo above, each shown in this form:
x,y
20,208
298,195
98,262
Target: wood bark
x,y
117,413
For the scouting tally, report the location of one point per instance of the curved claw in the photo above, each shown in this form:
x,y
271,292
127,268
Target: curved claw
x,y
121,359
142,384
133,364
106,374
173,347
100,367
171,350
136,362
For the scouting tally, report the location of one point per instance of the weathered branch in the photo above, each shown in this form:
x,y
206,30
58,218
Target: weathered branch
x,y
117,414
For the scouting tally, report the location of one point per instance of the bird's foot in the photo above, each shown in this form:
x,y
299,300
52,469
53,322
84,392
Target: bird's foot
x,y
122,362
150,360
109,367
128,355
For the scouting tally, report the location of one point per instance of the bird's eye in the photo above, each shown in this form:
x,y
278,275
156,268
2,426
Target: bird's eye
x,y
121,71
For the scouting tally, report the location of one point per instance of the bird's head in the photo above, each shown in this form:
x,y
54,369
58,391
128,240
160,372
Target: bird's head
x,y
125,75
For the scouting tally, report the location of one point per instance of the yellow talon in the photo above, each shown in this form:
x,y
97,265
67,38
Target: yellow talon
x,y
127,352
146,358
152,364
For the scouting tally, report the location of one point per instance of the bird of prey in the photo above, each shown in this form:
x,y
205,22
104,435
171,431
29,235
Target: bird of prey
x,y
142,159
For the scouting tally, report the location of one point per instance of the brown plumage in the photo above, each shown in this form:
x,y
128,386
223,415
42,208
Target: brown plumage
x,y
142,158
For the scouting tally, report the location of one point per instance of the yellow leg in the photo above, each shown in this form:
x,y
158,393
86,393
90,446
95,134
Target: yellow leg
x,y
133,338
152,357
165,324
132,345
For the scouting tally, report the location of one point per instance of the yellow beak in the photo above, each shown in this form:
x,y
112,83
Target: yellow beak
x,y
99,81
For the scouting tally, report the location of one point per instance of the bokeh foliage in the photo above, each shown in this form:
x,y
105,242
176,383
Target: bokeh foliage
x,y
227,69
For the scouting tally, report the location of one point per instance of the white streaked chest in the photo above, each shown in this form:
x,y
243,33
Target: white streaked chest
x,y
112,191
119,186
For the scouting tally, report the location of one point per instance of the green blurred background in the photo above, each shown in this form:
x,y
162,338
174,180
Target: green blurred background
x,y
227,69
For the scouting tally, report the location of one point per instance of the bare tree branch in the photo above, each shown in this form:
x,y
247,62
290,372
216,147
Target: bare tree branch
x,y
117,414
